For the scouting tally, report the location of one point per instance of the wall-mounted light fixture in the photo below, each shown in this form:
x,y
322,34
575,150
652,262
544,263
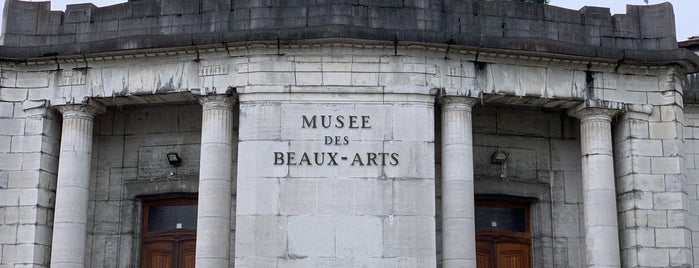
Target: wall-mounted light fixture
x,y
499,157
174,159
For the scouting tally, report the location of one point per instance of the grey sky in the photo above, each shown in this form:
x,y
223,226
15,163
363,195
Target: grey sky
x,y
685,10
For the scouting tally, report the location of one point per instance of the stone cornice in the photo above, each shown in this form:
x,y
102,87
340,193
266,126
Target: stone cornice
x,y
457,51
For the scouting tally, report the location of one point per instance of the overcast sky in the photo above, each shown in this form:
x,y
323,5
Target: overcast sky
x,y
686,11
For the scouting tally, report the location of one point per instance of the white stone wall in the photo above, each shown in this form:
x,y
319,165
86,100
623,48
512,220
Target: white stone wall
x,y
691,145
28,165
653,200
652,192
348,214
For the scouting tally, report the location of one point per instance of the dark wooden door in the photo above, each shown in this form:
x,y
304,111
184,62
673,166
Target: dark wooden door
x,y
502,241
169,234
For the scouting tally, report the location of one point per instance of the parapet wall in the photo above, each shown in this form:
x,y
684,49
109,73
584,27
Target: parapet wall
x,y
85,28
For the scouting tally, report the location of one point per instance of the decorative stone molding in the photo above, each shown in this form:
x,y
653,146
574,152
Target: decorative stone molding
x,y
89,109
218,101
457,102
596,110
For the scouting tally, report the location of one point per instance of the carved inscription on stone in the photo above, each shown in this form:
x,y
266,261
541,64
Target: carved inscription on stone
x,y
71,78
349,123
211,70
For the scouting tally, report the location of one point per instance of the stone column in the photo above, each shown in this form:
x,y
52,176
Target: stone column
x,y
73,186
215,177
458,226
599,195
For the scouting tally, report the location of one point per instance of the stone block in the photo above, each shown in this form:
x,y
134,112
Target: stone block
x,y
669,200
5,142
359,236
637,237
260,154
261,236
309,78
656,218
8,234
373,197
297,196
260,121
646,182
413,122
409,236
653,257
566,220
673,147
336,197
259,198
19,253
666,165
672,237
23,179
680,257
9,197
663,130
26,144
150,120
413,197
12,126
311,236
6,109
337,78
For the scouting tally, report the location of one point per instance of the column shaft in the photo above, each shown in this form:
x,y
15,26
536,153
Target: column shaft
x,y
458,226
72,189
599,195
215,179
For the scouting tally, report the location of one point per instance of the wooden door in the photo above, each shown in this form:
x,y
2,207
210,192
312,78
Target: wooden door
x,y
512,255
169,234
502,241
186,253
157,254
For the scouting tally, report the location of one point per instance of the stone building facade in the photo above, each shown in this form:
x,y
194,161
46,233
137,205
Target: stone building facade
x,y
345,133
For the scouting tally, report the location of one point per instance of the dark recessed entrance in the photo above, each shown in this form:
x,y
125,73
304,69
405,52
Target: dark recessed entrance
x,y
169,233
502,235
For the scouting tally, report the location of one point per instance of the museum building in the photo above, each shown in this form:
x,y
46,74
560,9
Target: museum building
x,y
346,133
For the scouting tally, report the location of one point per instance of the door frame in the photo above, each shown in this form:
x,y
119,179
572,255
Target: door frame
x,y
175,236
493,237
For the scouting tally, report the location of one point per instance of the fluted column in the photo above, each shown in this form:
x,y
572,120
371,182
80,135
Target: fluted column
x,y
72,188
599,195
215,178
458,226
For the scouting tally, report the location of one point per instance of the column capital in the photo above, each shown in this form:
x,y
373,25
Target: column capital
x,y
458,101
217,101
89,109
585,113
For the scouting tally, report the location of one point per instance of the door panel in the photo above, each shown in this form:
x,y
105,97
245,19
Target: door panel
x,y
157,255
512,255
484,254
187,254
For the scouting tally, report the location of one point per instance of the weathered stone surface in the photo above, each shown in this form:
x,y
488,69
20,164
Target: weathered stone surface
x,y
495,25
